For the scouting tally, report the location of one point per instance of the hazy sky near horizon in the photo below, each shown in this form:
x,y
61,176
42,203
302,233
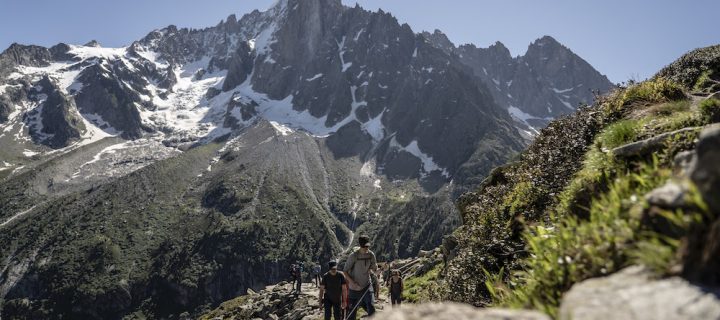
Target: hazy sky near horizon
x,y
622,39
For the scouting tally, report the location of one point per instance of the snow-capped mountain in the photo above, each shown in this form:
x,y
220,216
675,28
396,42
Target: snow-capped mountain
x,y
317,67
549,81
197,163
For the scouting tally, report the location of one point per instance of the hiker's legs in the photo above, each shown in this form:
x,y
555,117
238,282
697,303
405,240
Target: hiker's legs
x,y
353,300
367,303
337,311
299,285
395,300
328,309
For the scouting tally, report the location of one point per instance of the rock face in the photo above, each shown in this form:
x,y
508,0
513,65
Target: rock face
x,y
704,170
454,311
633,294
703,246
57,122
547,82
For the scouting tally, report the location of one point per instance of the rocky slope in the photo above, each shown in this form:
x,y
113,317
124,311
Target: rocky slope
x,y
629,181
179,171
549,81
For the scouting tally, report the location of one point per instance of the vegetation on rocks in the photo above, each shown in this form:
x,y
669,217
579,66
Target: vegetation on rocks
x,y
536,228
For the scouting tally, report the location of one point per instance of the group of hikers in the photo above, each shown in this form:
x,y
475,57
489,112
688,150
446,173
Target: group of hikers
x,y
357,286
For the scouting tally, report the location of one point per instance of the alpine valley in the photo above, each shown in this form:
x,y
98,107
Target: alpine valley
x,y
168,176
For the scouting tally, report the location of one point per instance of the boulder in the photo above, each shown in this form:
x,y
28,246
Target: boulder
x,y
634,295
702,248
455,311
704,171
670,195
643,147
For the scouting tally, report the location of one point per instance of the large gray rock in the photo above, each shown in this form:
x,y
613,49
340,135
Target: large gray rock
x,y
702,248
632,294
646,146
455,311
705,171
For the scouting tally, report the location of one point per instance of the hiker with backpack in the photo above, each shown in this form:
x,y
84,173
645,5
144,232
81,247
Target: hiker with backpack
x,y
332,288
396,287
359,272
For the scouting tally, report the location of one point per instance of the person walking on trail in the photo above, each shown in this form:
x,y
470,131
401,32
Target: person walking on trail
x,y
332,287
298,274
396,286
293,275
316,275
358,269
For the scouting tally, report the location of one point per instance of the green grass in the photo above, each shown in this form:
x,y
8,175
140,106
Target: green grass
x,y
576,249
647,92
419,289
710,110
619,133
702,80
670,108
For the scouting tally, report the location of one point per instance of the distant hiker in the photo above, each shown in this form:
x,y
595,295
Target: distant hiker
x,y
298,276
293,274
332,287
396,286
358,269
316,274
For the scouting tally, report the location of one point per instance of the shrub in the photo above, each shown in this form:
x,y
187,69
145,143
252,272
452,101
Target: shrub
x,y
710,110
658,90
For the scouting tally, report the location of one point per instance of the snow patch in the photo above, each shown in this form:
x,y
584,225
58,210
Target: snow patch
x,y
97,52
315,77
563,90
427,161
29,153
282,129
341,53
357,36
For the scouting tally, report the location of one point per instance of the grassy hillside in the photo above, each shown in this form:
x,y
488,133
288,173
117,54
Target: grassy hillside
x,y
574,205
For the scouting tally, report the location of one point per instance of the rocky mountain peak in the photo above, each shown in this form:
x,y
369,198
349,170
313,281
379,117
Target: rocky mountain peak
x,y
500,49
439,40
92,43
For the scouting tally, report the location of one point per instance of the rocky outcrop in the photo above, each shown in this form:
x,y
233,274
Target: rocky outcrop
x,y
273,302
54,122
704,170
240,67
454,311
703,244
647,146
103,95
699,69
547,82
634,294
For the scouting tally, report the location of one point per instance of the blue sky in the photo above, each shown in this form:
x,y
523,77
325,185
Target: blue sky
x,y
622,38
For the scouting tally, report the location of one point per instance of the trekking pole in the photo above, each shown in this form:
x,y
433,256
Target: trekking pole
x,y
357,304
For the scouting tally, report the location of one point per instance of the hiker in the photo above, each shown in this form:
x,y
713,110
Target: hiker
x,y
396,286
298,275
316,275
358,269
293,275
332,287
